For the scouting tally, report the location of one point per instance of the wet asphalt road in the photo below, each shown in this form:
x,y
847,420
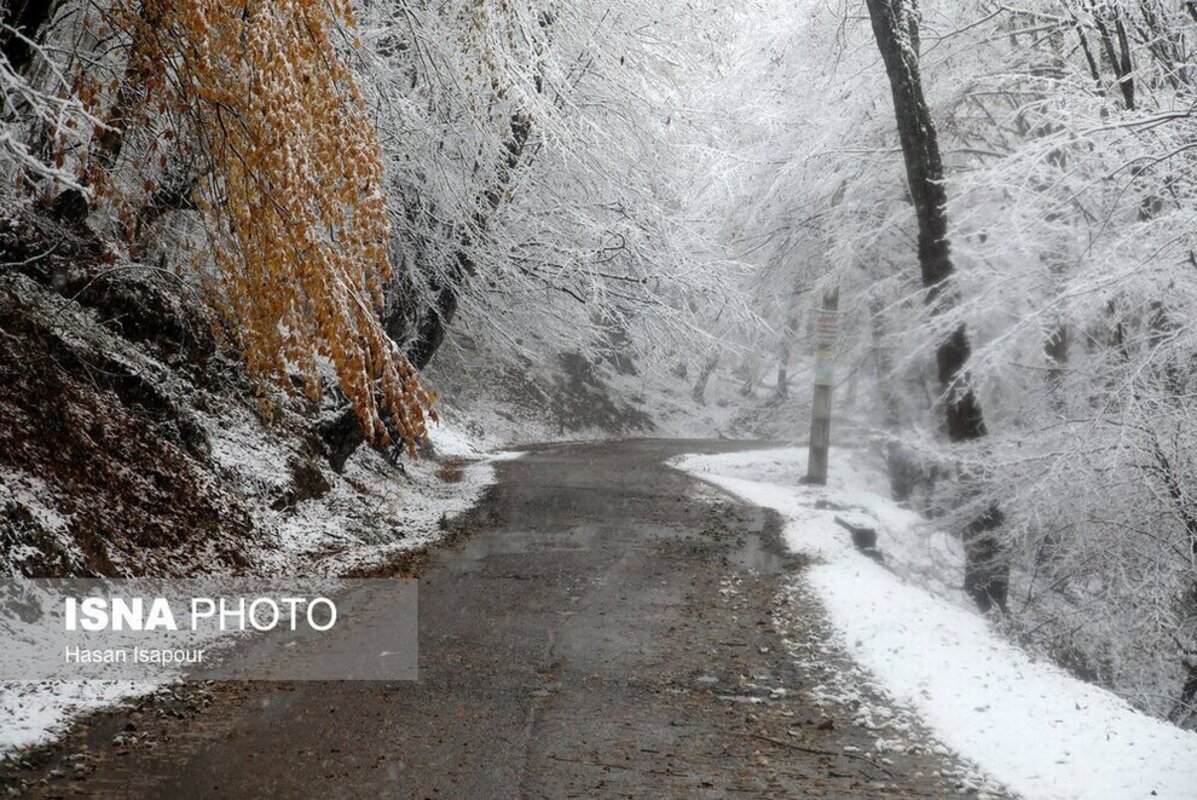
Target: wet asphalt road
x,y
604,630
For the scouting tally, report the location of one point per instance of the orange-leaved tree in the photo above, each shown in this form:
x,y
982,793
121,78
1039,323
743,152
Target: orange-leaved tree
x,y
291,189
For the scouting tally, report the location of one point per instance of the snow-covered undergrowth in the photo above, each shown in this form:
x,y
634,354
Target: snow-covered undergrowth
x,y
1029,724
367,514
358,517
728,409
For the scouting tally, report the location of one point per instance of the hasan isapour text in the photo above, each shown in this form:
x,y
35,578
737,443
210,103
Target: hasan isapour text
x,y
132,655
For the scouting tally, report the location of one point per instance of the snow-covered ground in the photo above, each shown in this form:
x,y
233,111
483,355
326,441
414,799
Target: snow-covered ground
x,y
1041,732
369,513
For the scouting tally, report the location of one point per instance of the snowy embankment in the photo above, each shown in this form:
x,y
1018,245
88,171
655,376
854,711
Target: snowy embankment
x,y
369,513
1030,725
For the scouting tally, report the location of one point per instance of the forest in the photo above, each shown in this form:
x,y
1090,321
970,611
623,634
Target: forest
x,y
357,217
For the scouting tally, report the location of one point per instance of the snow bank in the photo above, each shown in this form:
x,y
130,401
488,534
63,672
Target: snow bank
x,y
369,512
1030,725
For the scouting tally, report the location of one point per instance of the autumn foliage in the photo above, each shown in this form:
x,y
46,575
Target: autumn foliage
x,y
290,188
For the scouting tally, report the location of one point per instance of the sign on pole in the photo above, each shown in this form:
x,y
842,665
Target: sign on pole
x,y
826,326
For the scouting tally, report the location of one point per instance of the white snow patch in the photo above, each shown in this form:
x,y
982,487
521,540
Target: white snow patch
x,y
1029,724
36,712
32,493
451,439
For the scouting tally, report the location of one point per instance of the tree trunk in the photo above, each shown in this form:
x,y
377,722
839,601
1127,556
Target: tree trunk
x,y
895,26
698,393
1056,349
782,390
1116,43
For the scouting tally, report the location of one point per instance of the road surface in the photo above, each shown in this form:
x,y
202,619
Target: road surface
x,y
604,629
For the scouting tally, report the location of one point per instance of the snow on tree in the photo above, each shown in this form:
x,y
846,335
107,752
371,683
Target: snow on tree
x,y
675,182
1064,129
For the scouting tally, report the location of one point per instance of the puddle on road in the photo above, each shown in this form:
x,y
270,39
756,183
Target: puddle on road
x,y
752,545
753,555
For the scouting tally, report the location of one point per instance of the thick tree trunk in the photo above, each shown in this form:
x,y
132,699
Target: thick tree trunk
x,y
895,26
